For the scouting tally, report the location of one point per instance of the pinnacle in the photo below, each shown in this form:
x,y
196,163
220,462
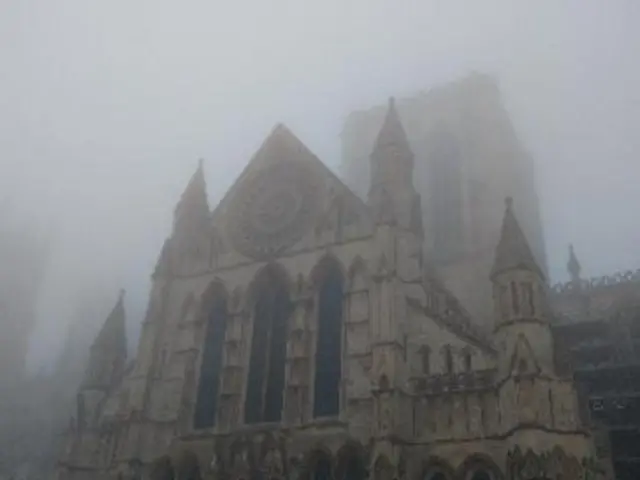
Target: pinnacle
x,y
573,265
392,132
112,335
508,201
195,195
513,251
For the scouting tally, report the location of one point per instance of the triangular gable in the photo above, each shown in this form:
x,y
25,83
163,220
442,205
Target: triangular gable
x,y
281,144
283,150
523,361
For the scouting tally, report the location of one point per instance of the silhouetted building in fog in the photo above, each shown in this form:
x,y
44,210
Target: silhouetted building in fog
x,y
467,159
23,262
24,425
299,332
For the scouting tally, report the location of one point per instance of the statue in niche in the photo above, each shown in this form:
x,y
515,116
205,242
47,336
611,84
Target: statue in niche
x,y
295,467
215,467
273,463
382,469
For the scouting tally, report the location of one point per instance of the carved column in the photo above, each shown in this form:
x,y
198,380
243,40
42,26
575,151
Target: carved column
x,y
233,363
299,357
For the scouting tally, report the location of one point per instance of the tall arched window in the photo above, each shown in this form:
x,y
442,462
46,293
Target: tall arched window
x,y
328,366
215,301
448,360
265,382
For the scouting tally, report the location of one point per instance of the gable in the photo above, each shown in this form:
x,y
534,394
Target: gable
x,y
523,360
285,200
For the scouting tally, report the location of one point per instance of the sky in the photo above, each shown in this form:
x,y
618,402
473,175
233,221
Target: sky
x,y
106,107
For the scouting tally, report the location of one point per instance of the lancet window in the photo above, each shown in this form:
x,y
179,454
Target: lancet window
x,y
328,366
265,382
208,386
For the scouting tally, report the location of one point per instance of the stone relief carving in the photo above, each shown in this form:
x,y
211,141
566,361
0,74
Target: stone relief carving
x,y
554,464
273,209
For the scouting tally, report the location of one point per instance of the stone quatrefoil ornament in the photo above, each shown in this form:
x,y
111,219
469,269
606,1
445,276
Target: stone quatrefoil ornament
x,y
273,209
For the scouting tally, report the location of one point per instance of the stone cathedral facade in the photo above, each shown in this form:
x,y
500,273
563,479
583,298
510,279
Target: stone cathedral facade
x,y
299,332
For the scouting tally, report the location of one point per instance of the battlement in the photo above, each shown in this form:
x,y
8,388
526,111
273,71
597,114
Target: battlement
x,y
461,382
593,283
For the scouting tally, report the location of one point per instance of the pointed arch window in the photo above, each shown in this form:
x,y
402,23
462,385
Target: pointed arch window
x,y
425,359
448,360
515,299
466,357
265,382
328,367
208,385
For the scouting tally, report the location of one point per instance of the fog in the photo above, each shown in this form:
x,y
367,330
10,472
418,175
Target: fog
x,y
105,108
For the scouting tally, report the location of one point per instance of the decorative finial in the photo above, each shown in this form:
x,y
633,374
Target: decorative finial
x,y
392,102
200,163
508,201
121,294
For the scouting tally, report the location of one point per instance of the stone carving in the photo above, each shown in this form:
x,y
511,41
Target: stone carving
x,y
240,461
296,465
273,209
215,467
597,282
273,465
554,464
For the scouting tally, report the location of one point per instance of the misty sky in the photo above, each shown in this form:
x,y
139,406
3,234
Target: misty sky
x,y
105,108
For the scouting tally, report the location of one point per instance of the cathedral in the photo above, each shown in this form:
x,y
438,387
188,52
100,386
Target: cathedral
x,y
297,331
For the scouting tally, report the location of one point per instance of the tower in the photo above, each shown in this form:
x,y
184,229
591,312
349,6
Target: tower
x,y
535,399
467,160
521,316
395,207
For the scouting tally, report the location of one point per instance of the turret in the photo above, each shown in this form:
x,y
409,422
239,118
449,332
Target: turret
x,y
392,196
521,325
106,364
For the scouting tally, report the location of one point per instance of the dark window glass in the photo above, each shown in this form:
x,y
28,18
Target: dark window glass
x,y
467,361
265,383
448,360
425,353
322,470
515,300
328,353
481,475
207,396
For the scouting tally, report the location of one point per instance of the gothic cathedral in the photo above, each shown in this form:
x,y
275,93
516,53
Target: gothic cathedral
x,y
299,332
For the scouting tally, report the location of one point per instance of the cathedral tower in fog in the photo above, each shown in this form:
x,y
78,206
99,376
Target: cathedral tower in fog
x,y
467,160
295,332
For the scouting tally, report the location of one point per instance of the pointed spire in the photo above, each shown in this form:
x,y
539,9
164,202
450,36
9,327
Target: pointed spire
x,y
513,251
113,336
392,134
392,196
193,203
573,265
196,191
